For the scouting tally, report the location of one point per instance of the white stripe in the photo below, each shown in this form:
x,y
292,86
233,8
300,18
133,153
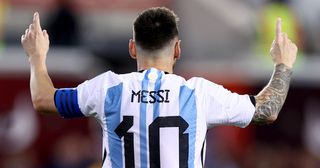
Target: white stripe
x,y
169,147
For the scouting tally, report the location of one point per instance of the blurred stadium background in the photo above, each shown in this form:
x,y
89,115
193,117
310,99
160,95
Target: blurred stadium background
x,y
225,41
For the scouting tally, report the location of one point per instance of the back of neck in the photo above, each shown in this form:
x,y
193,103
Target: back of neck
x,y
162,64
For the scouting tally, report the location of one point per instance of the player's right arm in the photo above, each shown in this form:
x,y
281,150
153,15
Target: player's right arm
x,y
271,99
69,102
35,42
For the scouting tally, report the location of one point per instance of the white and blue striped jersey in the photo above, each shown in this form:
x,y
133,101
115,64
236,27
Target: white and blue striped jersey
x,y
151,119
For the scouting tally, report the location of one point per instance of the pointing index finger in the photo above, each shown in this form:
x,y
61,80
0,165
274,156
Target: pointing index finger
x,y
36,21
278,29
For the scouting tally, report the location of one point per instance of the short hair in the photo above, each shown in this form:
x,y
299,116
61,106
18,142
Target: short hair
x,y
155,27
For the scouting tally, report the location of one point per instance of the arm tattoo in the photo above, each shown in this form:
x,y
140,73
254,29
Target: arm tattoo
x,y
270,100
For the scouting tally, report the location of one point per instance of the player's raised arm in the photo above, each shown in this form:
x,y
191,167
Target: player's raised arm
x,y
35,42
271,99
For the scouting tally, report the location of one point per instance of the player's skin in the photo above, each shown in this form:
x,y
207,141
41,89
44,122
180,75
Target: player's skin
x,y
269,101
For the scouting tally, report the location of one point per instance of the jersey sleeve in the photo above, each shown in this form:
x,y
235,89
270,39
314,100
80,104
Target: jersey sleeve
x,y
91,95
222,107
84,100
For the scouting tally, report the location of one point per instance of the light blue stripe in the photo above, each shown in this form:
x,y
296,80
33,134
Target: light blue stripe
x,y
188,111
142,126
112,107
156,104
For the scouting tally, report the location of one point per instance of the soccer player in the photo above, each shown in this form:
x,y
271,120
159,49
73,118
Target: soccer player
x,y
152,117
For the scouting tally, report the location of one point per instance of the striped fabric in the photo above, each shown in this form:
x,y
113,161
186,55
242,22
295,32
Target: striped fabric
x,y
151,119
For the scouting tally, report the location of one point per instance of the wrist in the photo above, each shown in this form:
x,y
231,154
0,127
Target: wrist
x,y
284,70
36,58
286,65
37,64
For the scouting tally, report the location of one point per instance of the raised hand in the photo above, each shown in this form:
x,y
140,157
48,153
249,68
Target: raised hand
x,y
271,99
35,41
283,50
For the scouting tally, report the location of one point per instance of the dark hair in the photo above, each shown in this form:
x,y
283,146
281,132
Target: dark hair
x,y
155,27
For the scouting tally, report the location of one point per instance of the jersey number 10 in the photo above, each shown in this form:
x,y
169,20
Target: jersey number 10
x,y
154,140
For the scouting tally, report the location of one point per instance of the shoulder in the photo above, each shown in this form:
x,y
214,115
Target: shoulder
x,y
100,82
106,78
199,82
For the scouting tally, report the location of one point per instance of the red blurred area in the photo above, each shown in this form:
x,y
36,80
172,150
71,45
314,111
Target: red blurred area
x,y
51,130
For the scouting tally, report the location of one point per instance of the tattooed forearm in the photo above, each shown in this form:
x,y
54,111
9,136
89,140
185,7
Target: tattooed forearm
x,y
270,100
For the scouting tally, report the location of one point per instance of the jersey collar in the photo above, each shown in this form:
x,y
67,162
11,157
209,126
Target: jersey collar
x,y
141,71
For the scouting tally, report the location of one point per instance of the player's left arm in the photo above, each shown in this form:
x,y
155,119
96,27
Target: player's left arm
x,y
271,99
35,42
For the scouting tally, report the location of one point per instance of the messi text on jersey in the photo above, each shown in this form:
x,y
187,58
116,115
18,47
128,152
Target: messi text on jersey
x,y
146,96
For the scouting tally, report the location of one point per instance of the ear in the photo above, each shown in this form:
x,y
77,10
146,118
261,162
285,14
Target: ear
x,y
132,49
177,50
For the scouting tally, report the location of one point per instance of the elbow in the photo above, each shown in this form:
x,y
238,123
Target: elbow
x,y
43,101
39,105
264,117
267,120
272,118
